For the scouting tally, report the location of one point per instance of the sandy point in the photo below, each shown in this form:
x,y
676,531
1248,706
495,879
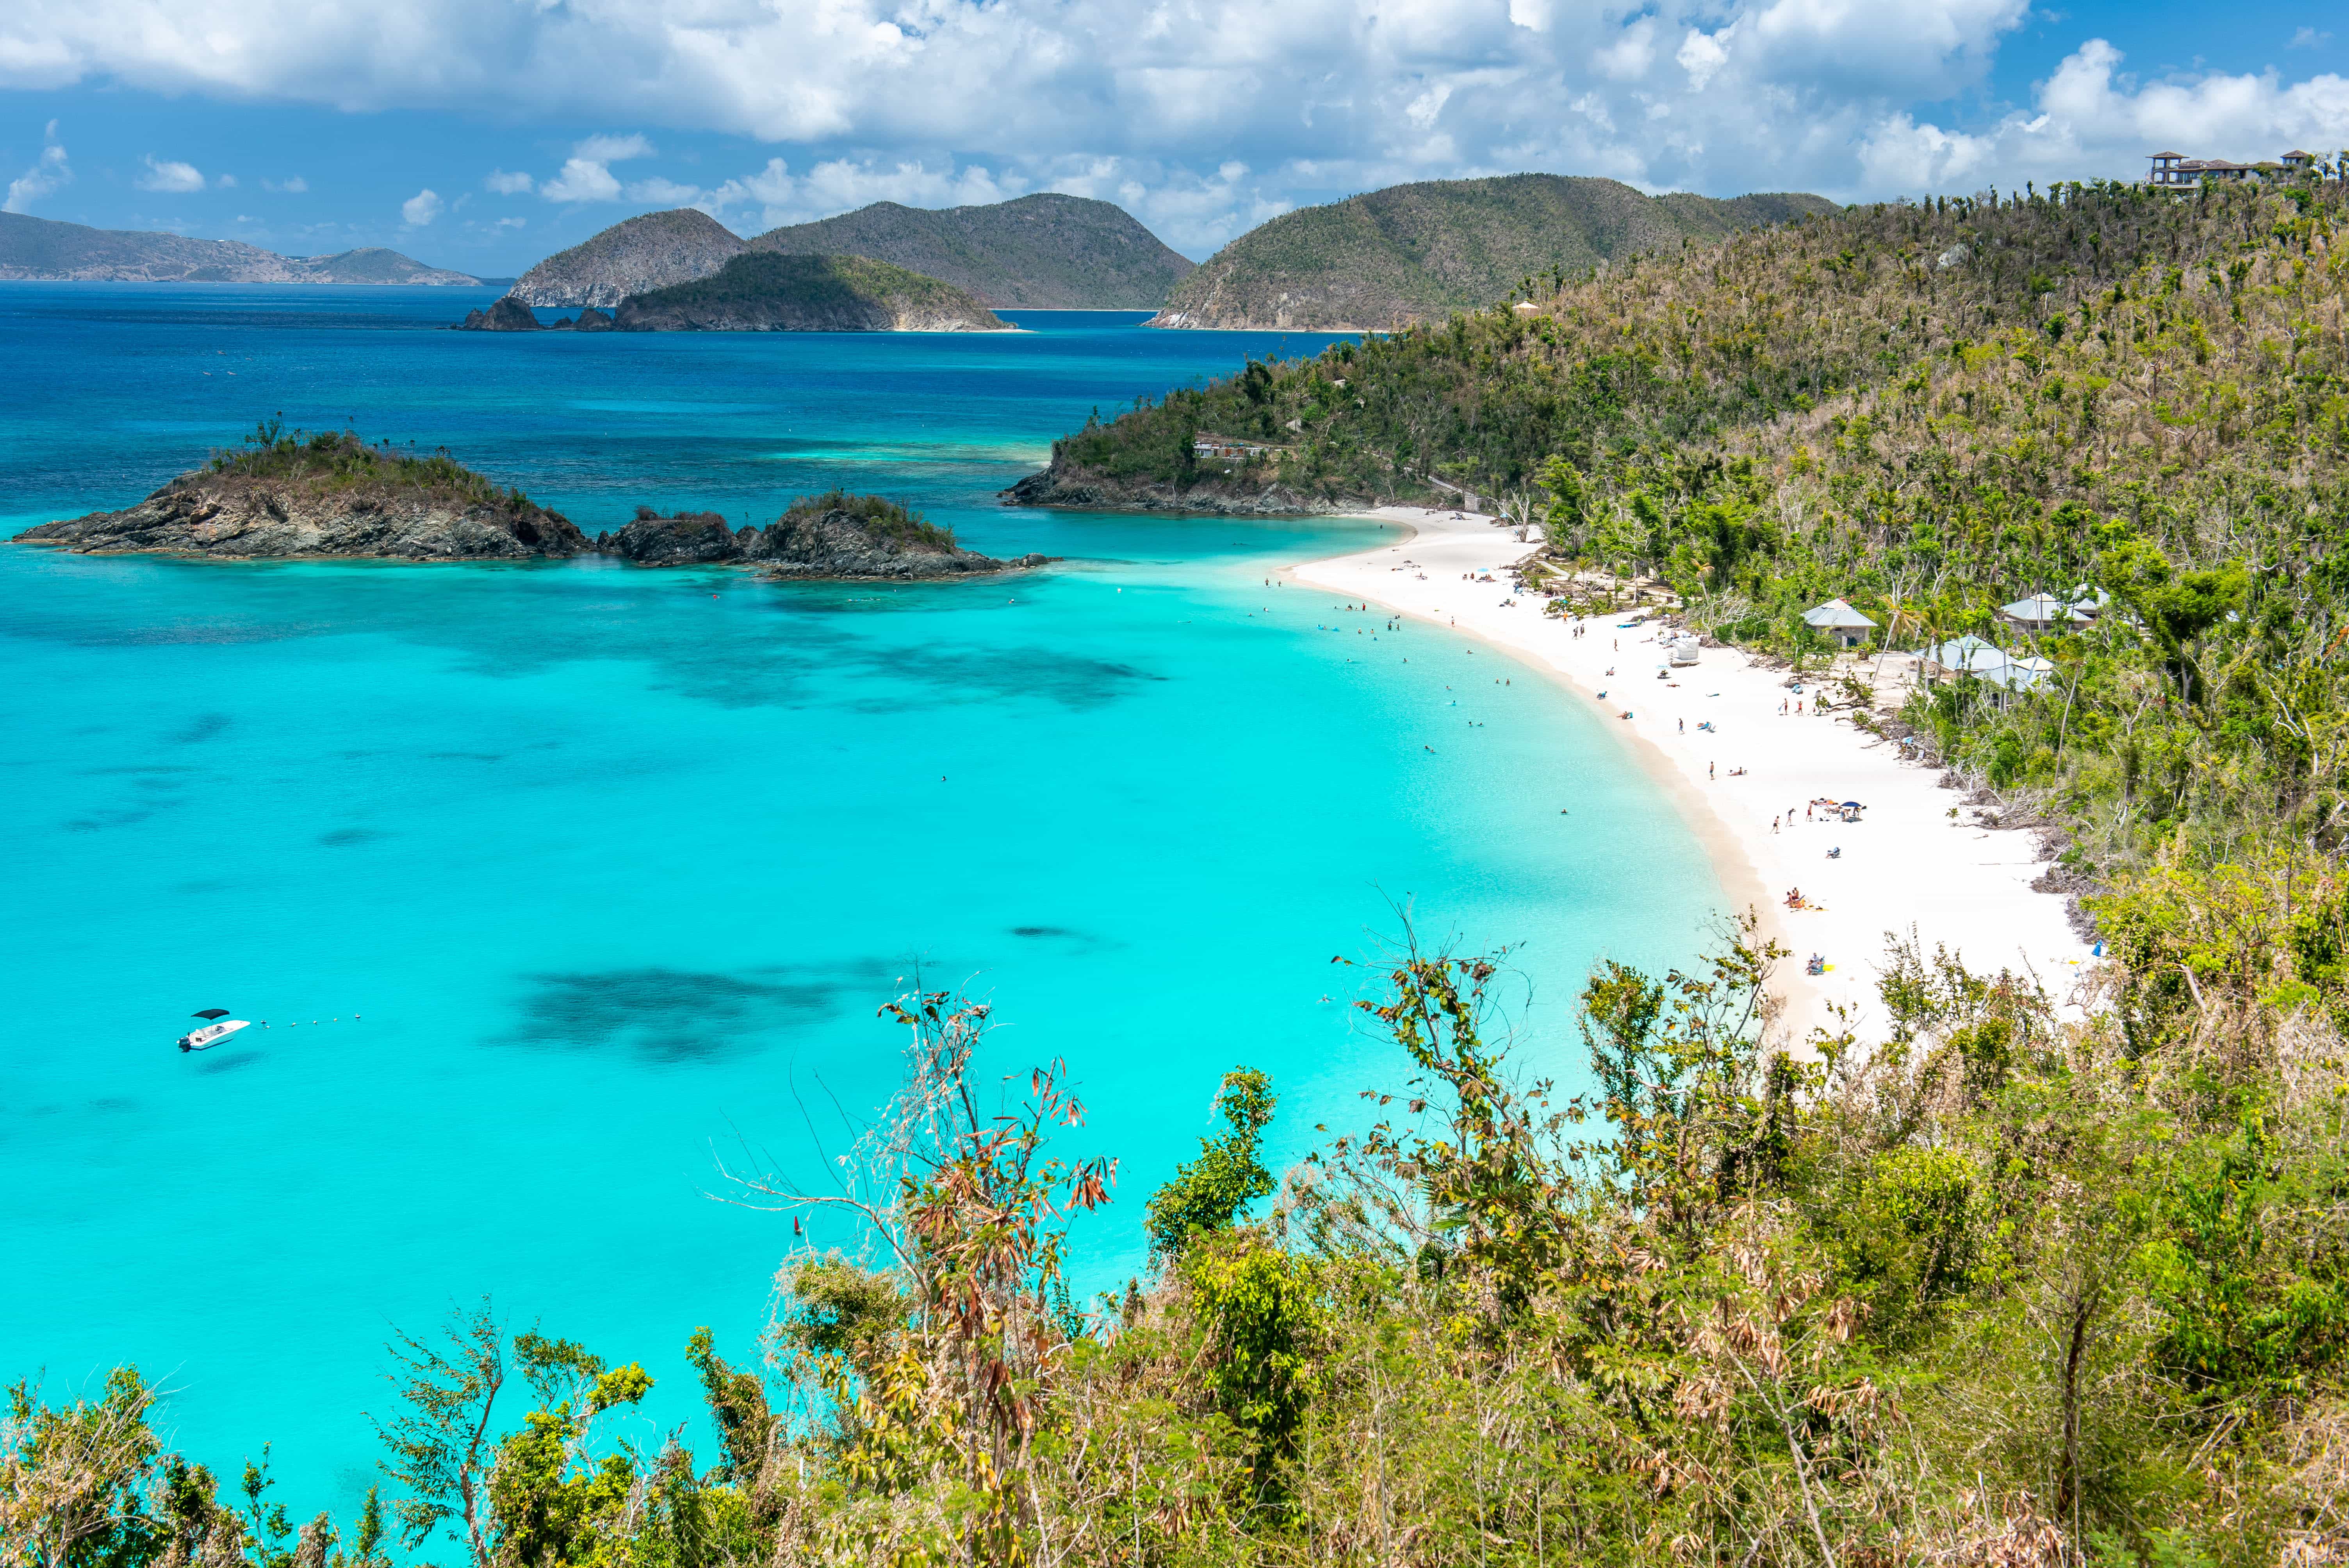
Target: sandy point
x,y
1744,774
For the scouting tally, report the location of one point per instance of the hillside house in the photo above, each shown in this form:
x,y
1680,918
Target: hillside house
x,y
2176,171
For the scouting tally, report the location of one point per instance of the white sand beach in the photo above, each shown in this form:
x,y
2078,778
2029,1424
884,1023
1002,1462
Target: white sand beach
x,y
1907,862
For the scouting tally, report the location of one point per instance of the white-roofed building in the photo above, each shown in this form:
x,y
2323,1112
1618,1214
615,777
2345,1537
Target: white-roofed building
x,y
2042,612
1838,620
1990,664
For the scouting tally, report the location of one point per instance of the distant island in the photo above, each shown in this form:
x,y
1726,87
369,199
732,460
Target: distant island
x,y
1046,252
764,291
650,250
40,250
1042,252
291,495
1418,253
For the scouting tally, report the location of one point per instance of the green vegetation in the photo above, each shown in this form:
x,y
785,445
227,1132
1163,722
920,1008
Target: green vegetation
x,y
331,460
1046,251
809,292
1417,252
882,518
1996,1288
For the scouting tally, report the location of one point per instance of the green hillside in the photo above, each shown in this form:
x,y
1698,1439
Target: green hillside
x,y
763,291
1416,253
1044,251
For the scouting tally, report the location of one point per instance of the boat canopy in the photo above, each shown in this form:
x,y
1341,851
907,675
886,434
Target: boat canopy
x,y
210,1013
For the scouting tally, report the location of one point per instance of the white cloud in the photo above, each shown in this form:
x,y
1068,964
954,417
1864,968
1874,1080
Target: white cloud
x,y
940,101
1702,54
1629,56
225,182
293,185
614,148
581,180
420,209
661,192
50,172
170,175
2309,38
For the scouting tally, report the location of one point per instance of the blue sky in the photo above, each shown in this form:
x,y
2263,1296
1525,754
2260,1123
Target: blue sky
x,y
484,134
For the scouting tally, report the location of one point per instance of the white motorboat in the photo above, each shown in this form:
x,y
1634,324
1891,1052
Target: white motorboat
x,y
220,1027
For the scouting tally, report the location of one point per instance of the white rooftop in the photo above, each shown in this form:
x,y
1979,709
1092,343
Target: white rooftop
x,y
1834,614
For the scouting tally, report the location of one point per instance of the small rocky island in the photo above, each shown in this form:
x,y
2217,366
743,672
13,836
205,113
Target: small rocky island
x,y
289,495
763,291
286,495
830,536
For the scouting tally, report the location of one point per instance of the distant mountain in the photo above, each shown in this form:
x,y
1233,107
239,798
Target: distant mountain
x,y
1417,252
1046,252
760,292
650,250
41,249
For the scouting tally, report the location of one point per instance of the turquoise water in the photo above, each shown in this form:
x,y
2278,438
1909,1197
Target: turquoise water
x,y
601,868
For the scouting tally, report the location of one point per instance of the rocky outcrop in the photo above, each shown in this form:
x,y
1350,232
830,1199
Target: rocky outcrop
x,y
297,499
508,315
688,539
590,320
1067,486
833,536
651,251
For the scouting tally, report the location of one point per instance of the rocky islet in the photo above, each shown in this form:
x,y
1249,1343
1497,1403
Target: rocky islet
x,y
332,497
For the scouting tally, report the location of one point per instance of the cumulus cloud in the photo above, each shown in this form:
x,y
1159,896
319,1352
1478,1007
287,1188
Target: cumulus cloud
x,y
292,186
50,172
946,99
581,180
170,175
420,209
225,182
506,184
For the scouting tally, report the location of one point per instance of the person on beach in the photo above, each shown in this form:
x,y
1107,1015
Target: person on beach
x,y
1708,770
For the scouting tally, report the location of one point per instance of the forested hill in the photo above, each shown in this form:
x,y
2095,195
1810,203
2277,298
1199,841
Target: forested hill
x,y
1417,252
1043,251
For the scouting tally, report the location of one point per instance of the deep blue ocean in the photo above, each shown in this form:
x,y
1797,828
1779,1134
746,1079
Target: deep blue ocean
x,y
573,874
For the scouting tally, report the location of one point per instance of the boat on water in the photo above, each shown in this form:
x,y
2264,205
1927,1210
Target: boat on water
x,y
220,1028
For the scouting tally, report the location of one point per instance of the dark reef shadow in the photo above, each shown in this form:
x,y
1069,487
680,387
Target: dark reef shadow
x,y
674,1017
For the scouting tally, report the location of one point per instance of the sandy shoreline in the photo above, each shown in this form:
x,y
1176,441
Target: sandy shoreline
x,y
1909,863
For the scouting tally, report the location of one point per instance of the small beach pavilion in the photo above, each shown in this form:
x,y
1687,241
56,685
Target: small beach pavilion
x,y
1838,620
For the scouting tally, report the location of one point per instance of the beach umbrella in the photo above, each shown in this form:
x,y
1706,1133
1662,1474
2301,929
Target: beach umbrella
x,y
210,1013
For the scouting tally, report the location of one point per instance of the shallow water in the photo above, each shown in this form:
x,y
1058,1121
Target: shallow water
x,y
552,880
